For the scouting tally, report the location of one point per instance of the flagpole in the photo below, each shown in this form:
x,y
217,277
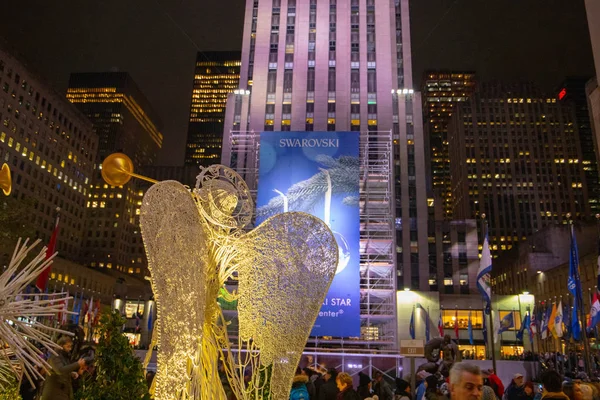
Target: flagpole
x,y
586,344
484,231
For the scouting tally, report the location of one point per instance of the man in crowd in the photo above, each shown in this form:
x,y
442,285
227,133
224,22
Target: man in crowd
x,y
329,390
516,388
58,385
466,382
552,382
381,387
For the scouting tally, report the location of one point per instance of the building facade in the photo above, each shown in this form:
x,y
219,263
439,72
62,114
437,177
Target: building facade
x,y
344,66
50,148
124,122
216,75
592,89
573,90
515,155
442,92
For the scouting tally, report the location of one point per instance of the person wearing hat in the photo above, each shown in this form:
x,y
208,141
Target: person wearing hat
x,y
492,380
516,388
402,390
364,386
329,389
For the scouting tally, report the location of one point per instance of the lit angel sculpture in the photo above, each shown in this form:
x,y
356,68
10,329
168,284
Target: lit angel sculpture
x,y
196,241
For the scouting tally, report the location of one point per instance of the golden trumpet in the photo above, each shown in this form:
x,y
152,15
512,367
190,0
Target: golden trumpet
x,y
117,170
5,179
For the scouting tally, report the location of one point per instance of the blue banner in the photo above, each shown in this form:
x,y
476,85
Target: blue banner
x,y
318,173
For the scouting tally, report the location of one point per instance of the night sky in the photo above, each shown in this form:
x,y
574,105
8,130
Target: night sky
x,y
156,42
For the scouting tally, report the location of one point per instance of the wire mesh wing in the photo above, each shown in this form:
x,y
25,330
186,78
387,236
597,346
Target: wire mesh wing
x,y
285,268
176,245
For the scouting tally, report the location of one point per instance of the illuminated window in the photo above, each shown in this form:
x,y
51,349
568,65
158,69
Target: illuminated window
x,y
449,316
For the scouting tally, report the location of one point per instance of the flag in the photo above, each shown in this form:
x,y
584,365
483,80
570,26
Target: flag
x,y
484,331
77,308
545,319
525,324
507,322
441,325
594,312
496,326
137,320
574,285
427,324
89,314
566,321
456,323
150,317
533,329
552,321
484,271
411,326
595,308
470,329
558,320
96,312
42,280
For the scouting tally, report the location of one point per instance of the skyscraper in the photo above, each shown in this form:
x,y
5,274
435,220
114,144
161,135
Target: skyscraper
x,y
50,148
216,75
344,66
515,155
125,122
592,9
573,90
442,92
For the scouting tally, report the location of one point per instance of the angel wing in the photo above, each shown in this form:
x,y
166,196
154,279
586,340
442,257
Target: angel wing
x,y
176,244
286,266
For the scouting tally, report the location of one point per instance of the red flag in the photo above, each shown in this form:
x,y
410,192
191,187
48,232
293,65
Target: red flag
x,y
456,323
42,281
441,325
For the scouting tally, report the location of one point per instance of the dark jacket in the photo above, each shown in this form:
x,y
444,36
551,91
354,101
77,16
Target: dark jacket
x,y
348,394
514,392
383,390
328,390
58,385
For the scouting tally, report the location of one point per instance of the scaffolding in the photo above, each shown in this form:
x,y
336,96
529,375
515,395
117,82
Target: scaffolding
x,y
377,240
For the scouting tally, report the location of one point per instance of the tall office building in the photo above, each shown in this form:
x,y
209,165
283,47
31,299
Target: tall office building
x,y
592,8
573,90
124,122
216,75
333,65
442,92
515,155
50,148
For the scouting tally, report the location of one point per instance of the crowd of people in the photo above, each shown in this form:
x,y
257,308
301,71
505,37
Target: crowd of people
x,y
465,381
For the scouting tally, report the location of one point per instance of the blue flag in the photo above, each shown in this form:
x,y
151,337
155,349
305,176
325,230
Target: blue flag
x,y
507,322
470,329
524,325
574,285
411,326
150,317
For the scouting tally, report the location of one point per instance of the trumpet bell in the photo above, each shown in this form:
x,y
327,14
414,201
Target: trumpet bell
x,y
5,180
117,169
